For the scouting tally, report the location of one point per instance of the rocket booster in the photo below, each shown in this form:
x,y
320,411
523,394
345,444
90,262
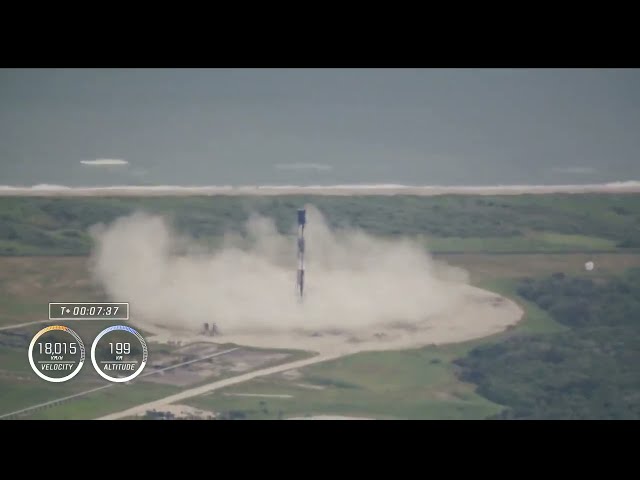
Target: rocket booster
x,y
302,220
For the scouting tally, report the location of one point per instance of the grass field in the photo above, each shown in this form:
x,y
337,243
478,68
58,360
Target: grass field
x,y
408,384
28,284
486,267
498,240
105,401
541,242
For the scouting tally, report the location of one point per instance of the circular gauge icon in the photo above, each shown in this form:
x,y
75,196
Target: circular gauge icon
x,y
119,353
56,353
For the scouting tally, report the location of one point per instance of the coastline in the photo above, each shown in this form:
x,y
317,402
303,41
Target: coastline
x,y
326,190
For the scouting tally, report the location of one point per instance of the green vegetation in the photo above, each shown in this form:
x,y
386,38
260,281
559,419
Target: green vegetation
x,y
405,384
536,319
531,242
525,223
589,371
417,384
28,284
568,358
25,391
486,269
571,357
13,308
103,402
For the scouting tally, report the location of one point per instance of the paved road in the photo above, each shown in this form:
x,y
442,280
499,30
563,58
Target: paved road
x,y
194,392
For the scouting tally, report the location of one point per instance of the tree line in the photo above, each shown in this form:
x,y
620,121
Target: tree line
x,y
591,371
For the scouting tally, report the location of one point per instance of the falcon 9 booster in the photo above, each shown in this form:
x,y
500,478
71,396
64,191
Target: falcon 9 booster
x,y
302,220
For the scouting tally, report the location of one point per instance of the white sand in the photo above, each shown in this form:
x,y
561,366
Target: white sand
x,y
484,313
344,190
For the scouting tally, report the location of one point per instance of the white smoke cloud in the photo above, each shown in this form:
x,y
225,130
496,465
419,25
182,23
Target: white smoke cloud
x,y
353,280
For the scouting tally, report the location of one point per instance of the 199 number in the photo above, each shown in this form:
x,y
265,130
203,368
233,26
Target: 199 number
x,y
120,348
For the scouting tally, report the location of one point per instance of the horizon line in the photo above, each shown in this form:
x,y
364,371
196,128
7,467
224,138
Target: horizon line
x,y
336,189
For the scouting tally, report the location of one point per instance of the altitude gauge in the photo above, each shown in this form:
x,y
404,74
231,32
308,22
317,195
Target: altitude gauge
x,y
119,353
56,353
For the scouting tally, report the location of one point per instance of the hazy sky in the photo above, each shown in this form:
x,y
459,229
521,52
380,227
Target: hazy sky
x,y
319,126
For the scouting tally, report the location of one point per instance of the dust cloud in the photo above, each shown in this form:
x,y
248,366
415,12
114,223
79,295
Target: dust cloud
x,y
247,284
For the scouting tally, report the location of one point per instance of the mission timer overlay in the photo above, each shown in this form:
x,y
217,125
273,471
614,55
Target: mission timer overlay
x,y
119,353
88,311
56,353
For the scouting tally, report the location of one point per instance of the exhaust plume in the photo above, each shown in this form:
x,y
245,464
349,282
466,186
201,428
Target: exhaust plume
x,y
247,285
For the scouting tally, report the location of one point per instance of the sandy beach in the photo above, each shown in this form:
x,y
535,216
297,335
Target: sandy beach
x,y
327,190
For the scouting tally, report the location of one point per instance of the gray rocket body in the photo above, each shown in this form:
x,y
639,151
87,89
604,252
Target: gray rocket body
x,y
302,220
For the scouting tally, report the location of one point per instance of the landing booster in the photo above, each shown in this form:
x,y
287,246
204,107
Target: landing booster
x,y
302,220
